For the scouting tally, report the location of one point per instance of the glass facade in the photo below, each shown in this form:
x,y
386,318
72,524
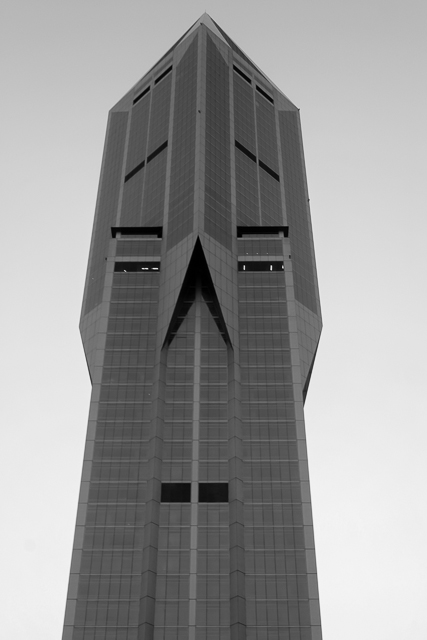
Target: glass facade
x,y
200,324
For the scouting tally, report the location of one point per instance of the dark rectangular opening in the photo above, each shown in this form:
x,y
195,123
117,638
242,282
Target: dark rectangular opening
x,y
261,231
213,492
157,151
261,265
141,95
136,267
138,167
176,492
263,93
151,232
272,173
243,75
245,151
162,75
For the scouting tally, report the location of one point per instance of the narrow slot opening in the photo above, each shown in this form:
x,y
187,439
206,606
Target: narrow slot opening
x,y
162,75
141,95
135,170
263,93
245,151
245,232
136,267
147,232
261,265
243,75
267,169
157,151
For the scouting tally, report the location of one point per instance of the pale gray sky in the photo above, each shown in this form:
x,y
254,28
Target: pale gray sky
x,y
357,72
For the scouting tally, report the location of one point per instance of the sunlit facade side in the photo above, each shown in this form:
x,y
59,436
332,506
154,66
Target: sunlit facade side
x,y
200,325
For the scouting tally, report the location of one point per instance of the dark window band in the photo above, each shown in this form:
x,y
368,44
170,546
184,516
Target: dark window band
x,y
213,492
263,93
264,231
157,151
176,492
245,151
136,267
135,170
141,165
261,265
141,95
156,232
252,156
162,75
243,75
181,492
272,173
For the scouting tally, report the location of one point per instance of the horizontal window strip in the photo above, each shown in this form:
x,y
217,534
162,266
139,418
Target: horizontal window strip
x,y
242,232
243,75
261,265
138,267
263,93
141,95
266,168
138,167
245,151
157,151
162,75
148,232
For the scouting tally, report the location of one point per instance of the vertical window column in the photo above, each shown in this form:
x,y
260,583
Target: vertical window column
x,y
195,466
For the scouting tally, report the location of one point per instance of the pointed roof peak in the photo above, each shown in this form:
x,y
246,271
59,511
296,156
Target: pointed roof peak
x,y
206,20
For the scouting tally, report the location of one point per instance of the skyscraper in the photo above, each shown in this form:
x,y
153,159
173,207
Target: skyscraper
x,y
200,324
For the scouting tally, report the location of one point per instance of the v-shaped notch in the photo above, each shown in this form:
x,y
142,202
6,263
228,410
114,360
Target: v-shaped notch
x,y
197,274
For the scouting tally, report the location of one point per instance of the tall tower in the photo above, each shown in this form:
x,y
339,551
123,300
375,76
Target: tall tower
x,y
200,325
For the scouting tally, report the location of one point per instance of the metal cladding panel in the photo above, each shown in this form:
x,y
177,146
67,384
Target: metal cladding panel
x,y
266,132
130,212
106,210
154,191
244,115
247,192
181,198
305,280
271,200
137,147
217,151
160,110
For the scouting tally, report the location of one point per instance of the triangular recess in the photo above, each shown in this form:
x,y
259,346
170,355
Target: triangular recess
x,y
197,271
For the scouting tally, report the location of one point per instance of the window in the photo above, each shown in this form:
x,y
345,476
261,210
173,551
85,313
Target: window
x,y
243,232
266,168
135,170
132,267
265,94
141,95
162,75
243,75
245,151
176,492
213,492
157,151
261,265
150,232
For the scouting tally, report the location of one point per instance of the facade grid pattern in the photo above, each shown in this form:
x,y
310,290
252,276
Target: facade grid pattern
x,y
194,518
